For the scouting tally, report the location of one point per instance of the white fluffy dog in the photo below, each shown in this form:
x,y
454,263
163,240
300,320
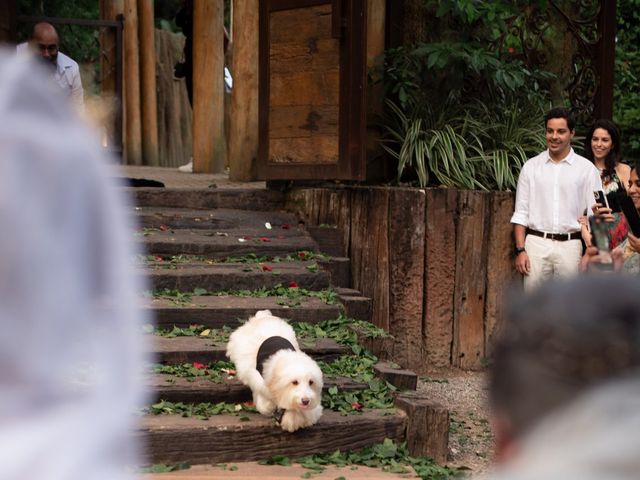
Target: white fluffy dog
x,y
285,381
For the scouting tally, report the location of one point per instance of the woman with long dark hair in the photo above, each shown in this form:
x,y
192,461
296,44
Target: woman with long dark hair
x,y
602,147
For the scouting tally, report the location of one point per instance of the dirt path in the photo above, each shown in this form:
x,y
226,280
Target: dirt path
x,y
466,396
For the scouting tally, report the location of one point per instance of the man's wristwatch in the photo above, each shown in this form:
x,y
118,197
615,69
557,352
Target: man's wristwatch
x,y
518,250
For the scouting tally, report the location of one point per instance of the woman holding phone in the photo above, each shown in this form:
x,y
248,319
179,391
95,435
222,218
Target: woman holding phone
x,y
626,257
602,147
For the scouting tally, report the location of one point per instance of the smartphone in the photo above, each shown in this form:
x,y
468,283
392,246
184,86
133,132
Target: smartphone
x,y
602,241
631,214
600,233
601,198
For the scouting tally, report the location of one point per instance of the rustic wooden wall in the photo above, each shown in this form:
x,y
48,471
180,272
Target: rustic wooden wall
x,y
435,262
303,87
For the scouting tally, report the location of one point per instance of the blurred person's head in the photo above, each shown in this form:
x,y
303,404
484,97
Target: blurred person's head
x,y
70,347
45,42
558,343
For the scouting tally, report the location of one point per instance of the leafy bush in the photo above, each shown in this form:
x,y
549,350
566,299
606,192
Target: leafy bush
x,y
464,110
627,87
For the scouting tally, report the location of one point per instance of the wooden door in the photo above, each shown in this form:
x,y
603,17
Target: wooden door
x,y
312,89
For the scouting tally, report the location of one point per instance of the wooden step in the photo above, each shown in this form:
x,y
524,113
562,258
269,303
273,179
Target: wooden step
x,y
214,219
172,439
245,199
218,311
256,471
178,350
236,276
225,243
196,390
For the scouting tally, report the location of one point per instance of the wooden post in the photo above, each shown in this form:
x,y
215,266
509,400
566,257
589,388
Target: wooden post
x,y
243,134
7,21
133,129
148,91
209,148
427,428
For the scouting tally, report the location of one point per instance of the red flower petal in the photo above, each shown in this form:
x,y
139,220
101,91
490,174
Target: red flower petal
x,y
247,237
158,259
302,255
199,365
356,406
293,285
249,404
285,226
163,227
264,239
266,268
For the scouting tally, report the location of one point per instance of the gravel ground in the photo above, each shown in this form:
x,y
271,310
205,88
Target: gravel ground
x,y
465,395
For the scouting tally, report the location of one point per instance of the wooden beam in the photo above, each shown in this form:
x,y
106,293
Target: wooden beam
x,y
148,90
209,146
111,75
133,128
605,58
243,131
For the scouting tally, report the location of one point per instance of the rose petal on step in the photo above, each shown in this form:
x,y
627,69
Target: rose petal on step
x,y
163,227
356,406
198,365
293,285
285,226
266,268
264,239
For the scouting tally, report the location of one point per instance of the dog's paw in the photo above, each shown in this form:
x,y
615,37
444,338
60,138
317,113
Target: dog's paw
x,y
264,405
293,420
290,421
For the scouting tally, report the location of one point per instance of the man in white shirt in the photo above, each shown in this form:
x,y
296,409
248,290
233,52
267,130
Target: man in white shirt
x,y
44,43
554,189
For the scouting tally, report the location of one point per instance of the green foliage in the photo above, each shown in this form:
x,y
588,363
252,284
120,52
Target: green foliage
x,y
285,295
162,468
215,371
464,110
627,74
388,455
201,411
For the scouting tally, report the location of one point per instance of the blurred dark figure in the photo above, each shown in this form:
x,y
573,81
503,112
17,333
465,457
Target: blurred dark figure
x,y
565,384
184,69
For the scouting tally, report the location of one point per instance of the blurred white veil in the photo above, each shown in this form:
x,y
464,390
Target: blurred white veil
x,y
70,327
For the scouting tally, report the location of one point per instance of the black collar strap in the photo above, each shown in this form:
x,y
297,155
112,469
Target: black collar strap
x,y
278,413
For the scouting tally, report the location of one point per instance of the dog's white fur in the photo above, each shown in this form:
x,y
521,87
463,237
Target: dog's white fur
x,y
291,380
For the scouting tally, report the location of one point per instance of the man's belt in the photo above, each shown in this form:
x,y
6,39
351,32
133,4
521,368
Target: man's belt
x,y
561,237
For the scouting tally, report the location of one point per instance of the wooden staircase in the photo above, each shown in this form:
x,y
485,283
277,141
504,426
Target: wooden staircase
x,y
186,234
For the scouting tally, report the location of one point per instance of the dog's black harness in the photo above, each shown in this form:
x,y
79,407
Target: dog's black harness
x,y
270,346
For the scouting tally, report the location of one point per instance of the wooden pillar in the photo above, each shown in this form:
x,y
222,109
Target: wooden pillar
x,y
243,131
7,21
133,129
109,10
605,58
209,147
148,91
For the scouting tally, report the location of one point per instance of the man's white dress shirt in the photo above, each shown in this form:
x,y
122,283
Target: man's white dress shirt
x,y
66,76
552,196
